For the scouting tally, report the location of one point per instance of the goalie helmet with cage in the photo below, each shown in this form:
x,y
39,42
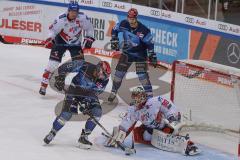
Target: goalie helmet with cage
x,y
139,96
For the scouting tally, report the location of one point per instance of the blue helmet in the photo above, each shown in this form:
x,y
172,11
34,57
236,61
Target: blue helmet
x,y
73,6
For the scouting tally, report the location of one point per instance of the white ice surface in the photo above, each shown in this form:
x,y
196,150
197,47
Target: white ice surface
x,y
26,117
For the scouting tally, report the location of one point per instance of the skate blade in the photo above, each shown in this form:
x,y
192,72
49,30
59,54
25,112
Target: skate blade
x,y
84,146
193,153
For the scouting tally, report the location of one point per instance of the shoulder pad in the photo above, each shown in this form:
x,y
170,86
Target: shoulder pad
x,y
124,23
62,16
83,16
151,100
143,27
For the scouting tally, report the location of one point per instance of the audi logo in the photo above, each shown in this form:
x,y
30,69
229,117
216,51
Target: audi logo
x,y
107,4
223,27
155,13
189,20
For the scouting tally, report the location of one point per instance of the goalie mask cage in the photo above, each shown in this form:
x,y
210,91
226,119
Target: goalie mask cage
x,y
208,95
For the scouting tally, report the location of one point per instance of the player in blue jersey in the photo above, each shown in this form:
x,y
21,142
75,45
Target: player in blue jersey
x,y
82,95
137,47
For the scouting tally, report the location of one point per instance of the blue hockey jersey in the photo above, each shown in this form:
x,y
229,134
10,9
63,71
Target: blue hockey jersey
x,y
136,41
86,75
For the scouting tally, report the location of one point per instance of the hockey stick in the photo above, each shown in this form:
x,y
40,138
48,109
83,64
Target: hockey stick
x,y
2,40
127,150
107,48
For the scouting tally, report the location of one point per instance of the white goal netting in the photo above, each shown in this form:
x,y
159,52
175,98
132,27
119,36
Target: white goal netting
x,y
208,96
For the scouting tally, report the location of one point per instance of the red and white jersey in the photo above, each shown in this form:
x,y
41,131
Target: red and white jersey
x,y
151,113
70,30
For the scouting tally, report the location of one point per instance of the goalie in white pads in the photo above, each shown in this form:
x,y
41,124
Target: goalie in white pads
x,y
160,126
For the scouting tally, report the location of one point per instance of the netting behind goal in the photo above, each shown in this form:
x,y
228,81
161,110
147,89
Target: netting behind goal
x,y
208,95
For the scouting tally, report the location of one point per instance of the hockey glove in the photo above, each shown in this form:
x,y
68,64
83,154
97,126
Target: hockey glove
x,y
174,124
85,107
88,41
114,43
59,82
74,106
48,43
152,58
117,136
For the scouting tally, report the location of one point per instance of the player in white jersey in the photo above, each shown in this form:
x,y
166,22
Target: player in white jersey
x,y
160,126
65,35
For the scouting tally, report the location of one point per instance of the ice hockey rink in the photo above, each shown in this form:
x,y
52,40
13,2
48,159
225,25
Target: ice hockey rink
x,y
26,117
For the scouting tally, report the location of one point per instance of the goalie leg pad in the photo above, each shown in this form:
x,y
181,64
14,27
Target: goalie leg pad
x,y
174,143
141,135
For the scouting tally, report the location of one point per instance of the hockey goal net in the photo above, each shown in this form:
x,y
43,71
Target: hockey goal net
x,y
208,95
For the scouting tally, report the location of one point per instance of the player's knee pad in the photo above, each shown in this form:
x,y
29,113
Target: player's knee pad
x,y
66,116
61,120
90,124
97,112
138,135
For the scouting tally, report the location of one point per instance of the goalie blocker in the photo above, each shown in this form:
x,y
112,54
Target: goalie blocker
x,y
160,120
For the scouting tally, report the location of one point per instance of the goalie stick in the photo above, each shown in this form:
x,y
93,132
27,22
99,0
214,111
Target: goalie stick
x,y
127,150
